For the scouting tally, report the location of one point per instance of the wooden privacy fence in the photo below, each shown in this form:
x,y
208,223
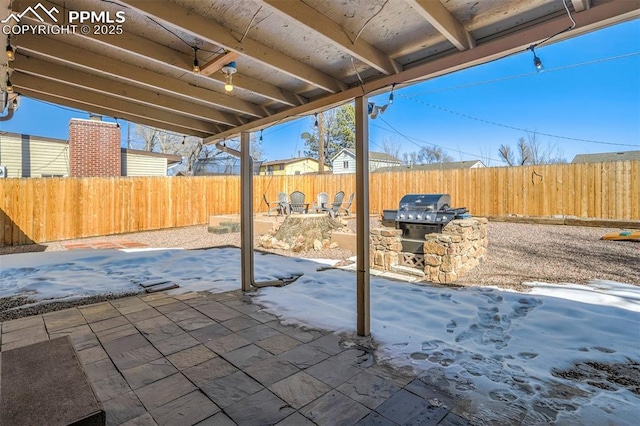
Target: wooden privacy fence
x,y
51,209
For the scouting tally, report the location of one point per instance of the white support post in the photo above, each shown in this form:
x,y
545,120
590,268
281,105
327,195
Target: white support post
x,y
246,211
362,221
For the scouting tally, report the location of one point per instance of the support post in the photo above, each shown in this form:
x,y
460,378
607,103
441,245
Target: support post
x,y
246,211
363,301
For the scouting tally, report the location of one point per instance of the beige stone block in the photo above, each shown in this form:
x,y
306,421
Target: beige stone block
x,y
453,250
434,248
390,232
390,259
432,260
379,259
396,247
446,265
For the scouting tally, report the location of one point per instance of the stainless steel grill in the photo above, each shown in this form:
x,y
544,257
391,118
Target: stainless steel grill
x,y
421,214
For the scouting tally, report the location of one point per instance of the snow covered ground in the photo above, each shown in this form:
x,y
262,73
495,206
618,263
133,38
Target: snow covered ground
x,y
488,346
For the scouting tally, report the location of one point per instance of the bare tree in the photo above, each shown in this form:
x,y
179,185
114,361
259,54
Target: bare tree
x,y
531,151
391,147
190,148
433,154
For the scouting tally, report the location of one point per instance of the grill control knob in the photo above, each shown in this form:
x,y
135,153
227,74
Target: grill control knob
x,y
410,216
419,217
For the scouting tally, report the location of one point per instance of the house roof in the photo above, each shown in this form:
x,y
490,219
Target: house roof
x,y
288,161
171,159
373,156
451,165
606,156
349,48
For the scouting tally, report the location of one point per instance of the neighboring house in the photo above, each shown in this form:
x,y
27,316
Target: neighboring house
x,y
607,156
344,161
145,163
291,166
36,156
450,165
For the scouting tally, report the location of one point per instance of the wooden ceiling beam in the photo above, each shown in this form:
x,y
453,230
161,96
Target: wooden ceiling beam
x,y
48,47
129,43
334,33
218,62
118,107
596,17
119,90
447,24
206,29
109,113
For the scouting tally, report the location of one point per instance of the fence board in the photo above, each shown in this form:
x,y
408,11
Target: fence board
x,y
49,209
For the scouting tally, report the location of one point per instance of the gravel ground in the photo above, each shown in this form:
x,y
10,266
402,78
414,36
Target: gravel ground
x,y
517,253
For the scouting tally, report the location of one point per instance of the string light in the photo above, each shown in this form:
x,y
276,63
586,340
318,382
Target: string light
x,y
537,63
183,139
10,53
261,134
393,86
196,64
316,123
9,86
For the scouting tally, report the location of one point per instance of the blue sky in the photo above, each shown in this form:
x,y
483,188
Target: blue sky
x,y
589,91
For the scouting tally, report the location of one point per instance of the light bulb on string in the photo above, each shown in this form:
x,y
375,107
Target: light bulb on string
x,y
537,62
10,53
316,123
196,63
393,86
228,70
9,86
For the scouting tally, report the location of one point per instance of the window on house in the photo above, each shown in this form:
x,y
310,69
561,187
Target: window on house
x,y
281,167
297,172
345,164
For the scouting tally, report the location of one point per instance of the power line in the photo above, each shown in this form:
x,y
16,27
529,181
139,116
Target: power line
x,y
493,123
412,139
530,74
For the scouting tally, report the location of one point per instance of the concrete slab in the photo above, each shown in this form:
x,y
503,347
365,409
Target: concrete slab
x,y
334,408
186,410
271,370
228,390
262,408
190,357
163,391
46,380
299,390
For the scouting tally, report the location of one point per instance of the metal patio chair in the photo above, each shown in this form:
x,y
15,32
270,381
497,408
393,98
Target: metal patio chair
x,y
280,206
347,207
322,204
334,209
297,204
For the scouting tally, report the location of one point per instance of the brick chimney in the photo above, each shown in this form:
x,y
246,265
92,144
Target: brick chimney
x,y
94,148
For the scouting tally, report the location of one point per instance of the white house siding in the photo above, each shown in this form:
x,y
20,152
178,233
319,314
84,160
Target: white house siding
x,y
25,156
143,165
339,163
345,156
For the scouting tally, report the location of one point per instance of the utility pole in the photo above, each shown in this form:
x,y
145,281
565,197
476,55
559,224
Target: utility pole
x,y
321,142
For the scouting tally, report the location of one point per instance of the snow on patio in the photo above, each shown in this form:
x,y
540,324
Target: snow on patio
x,y
485,345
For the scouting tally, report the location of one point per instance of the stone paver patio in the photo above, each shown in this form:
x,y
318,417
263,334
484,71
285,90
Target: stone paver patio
x,y
218,359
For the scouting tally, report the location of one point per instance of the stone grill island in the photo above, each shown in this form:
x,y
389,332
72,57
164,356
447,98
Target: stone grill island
x,y
447,255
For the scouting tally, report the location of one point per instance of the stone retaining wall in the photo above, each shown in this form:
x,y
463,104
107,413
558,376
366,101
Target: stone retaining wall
x,y
460,247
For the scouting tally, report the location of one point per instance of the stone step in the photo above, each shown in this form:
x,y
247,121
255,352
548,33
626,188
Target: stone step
x,y
234,226
219,229
45,383
408,270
